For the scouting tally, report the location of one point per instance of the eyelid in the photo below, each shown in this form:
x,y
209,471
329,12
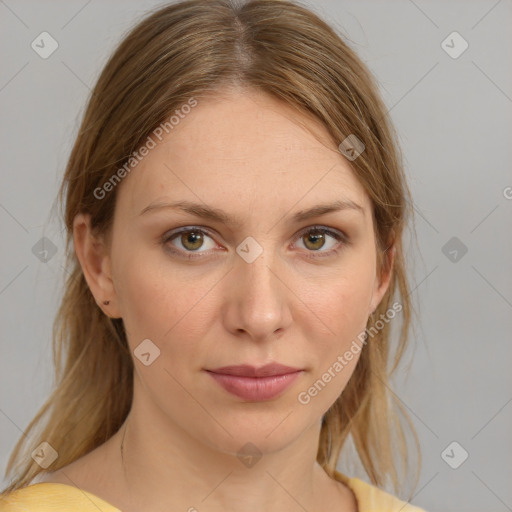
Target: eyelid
x,y
336,233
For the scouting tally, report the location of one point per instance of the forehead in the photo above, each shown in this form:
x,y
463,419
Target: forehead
x,y
245,149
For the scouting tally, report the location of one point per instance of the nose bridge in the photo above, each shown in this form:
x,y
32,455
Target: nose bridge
x,y
258,276
261,301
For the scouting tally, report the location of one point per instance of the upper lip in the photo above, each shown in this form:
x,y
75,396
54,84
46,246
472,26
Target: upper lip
x,y
245,370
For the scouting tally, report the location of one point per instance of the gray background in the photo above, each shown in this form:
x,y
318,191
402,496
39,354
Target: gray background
x,y
454,118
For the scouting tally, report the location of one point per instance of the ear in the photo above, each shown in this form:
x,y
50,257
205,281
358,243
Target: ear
x,y
93,254
383,280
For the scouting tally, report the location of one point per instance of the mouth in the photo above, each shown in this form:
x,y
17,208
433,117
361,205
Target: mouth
x,y
255,384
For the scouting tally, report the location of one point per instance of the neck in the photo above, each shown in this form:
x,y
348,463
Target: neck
x,y
195,475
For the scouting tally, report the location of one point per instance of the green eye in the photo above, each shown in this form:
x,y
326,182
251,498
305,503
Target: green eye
x,y
188,241
191,239
316,238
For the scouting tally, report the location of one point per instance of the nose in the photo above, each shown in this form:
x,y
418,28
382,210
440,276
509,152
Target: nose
x,y
258,298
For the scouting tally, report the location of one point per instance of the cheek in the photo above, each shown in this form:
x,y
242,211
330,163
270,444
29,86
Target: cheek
x,y
161,303
336,322
352,308
340,305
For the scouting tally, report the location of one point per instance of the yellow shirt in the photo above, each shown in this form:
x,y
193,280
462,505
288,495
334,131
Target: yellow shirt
x,y
53,497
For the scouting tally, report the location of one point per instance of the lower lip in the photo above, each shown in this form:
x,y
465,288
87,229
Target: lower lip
x,y
255,388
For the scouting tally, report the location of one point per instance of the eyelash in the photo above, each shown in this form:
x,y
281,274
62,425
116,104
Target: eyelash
x,y
339,236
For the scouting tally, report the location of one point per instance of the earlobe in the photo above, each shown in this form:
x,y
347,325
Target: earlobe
x,y
94,258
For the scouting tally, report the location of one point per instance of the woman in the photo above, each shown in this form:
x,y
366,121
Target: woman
x,y
235,205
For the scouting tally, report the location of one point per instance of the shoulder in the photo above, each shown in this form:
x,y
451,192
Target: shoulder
x,y
372,499
52,497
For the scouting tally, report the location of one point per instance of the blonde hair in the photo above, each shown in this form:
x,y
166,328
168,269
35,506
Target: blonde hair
x,y
193,49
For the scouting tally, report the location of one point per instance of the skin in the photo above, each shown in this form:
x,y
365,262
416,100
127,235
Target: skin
x,y
260,164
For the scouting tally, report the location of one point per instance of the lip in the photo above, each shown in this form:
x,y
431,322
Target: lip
x,y
246,370
255,384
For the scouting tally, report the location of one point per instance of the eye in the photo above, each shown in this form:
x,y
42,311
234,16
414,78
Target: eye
x,y
316,238
189,240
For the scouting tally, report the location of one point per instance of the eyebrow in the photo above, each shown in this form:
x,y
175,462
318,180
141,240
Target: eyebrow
x,y
216,214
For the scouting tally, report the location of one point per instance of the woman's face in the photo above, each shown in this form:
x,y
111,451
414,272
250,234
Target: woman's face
x,y
250,288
